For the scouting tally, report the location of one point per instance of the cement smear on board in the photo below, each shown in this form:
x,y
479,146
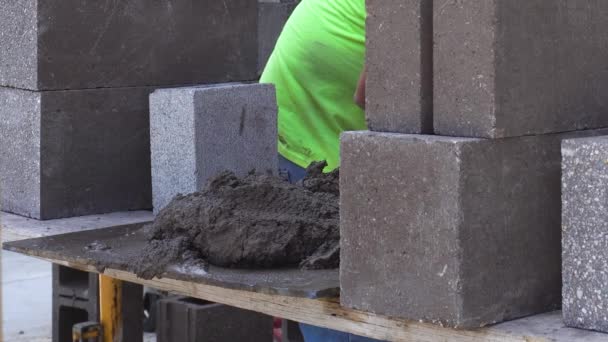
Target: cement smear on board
x,y
258,221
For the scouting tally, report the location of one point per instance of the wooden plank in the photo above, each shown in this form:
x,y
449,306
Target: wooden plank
x,y
122,243
67,250
15,227
324,313
110,308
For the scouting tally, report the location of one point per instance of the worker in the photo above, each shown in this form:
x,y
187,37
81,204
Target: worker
x,y
317,67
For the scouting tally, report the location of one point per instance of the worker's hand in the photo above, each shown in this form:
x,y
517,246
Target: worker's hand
x,y
360,92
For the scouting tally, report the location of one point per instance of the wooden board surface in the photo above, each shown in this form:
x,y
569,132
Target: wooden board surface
x,y
328,312
14,227
117,246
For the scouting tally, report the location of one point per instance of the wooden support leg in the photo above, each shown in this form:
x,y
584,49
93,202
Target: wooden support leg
x,y
110,308
121,310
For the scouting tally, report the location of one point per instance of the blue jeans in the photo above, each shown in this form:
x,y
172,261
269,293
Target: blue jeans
x,y
311,333
293,172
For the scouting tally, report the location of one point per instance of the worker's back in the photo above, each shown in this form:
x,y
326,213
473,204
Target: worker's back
x,y
315,67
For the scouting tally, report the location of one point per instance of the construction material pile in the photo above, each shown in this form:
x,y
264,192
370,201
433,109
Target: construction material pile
x,y
259,221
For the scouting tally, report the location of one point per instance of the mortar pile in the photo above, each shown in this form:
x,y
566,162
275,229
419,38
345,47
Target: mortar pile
x,y
258,221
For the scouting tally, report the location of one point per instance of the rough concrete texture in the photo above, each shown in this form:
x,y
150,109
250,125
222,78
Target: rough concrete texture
x,y
254,222
76,44
193,320
52,165
20,177
173,144
272,16
400,66
585,232
75,300
18,38
545,327
198,132
115,247
457,231
15,227
520,67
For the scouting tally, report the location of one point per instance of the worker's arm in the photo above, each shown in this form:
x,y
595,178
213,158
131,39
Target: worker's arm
x,y
360,92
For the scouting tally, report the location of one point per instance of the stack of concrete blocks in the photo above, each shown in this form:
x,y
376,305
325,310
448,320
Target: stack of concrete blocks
x,y
462,228
585,232
75,78
198,132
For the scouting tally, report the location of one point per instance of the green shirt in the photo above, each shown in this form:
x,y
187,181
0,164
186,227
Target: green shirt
x,y
315,68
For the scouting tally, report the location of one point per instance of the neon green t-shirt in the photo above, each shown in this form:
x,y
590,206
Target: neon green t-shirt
x,y
315,68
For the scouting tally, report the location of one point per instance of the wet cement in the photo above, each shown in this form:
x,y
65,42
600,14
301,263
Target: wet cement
x,y
115,248
255,222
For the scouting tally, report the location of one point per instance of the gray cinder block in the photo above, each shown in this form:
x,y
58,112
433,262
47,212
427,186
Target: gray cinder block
x,y
271,19
462,232
585,232
519,67
290,331
192,320
197,132
73,153
400,66
75,300
77,44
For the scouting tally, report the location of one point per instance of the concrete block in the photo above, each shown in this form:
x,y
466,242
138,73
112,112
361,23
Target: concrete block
x,y
15,227
75,284
18,38
76,44
585,232
290,331
462,232
66,313
192,320
74,153
400,66
197,132
20,153
521,67
272,16
75,300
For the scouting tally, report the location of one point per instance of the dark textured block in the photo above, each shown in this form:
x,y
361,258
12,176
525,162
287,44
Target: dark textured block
x,y
76,44
20,164
75,284
75,300
132,304
400,66
458,231
73,153
191,320
271,19
290,331
519,67
198,132
585,232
